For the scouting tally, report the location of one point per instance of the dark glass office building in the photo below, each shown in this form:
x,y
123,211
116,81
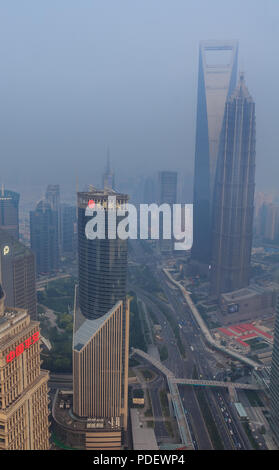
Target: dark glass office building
x,y
167,195
102,262
168,187
216,81
44,237
234,195
9,201
52,196
101,327
68,223
18,274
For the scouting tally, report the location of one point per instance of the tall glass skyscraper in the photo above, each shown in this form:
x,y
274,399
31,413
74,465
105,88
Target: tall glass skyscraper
x,y
18,274
101,329
44,237
9,201
52,196
234,195
167,195
216,81
68,223
102,263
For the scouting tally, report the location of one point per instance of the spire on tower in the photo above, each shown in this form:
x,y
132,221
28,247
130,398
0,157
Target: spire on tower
x,y
108,161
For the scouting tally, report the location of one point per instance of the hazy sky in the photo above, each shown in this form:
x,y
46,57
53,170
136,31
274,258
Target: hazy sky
x,y
77,76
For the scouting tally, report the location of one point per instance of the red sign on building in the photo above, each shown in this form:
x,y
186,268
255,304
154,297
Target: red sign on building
x,y
22,346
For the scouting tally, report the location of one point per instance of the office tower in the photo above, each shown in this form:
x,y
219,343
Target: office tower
x,y
18,274
108,177
101,334
167,194
268,222
9,201
68,223
261,203
24,411
216,81
52,196
44,237
260,199
234,195
167,187
274,379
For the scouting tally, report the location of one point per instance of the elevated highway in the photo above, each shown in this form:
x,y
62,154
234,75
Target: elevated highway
x,y
204,328
173,383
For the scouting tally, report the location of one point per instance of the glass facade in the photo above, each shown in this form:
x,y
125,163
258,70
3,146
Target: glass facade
x,y
44,237
9,201
216,81
102,263
233,205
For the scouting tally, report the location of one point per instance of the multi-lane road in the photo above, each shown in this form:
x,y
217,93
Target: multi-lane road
x,y
198,357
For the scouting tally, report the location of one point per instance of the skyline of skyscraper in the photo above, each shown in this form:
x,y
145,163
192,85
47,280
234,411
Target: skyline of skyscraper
x,y
188,368
233,204
216,81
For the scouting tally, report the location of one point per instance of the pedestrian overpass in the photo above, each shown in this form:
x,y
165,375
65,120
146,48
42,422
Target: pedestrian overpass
x,y
173,383
182,381
216,383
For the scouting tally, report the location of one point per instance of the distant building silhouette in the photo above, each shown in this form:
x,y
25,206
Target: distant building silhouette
x,y
234,195
52,196
216,81
44,237
68,223
149,190
18,274
168,195
9,201
268,222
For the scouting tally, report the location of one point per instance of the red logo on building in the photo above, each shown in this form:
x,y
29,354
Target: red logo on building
x,y
22,346
91,204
